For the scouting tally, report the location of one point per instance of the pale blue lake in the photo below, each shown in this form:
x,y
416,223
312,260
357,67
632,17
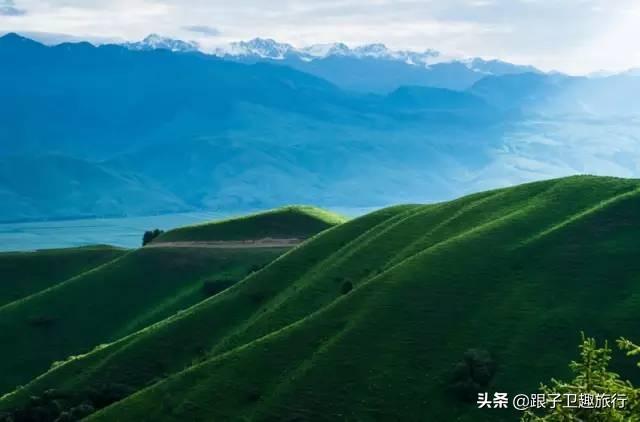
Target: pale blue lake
x,y
124,232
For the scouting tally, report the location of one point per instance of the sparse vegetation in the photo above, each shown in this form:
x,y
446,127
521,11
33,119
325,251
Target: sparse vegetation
x,y
473,374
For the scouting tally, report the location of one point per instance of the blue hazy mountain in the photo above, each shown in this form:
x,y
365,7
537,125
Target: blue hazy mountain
x,y
421,98
518,90
91,126
54,186
96,101
552,94
116,130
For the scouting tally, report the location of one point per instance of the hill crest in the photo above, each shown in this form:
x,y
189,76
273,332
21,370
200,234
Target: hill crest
x,y
290,222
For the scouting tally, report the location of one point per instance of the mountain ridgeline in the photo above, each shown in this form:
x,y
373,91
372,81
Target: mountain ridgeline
x,y
110,131
367,68
383,317
123,130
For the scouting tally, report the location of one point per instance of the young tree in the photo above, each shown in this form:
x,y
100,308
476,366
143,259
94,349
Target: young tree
x,y
592,381
149,235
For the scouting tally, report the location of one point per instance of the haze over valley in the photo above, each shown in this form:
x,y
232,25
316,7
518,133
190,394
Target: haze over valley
x,y
156,127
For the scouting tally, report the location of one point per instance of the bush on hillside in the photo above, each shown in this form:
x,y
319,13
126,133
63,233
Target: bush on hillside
x,y
106,394
255,268
213,287
473,374
257,298
80,411
149,235
253,396
347,286
42,321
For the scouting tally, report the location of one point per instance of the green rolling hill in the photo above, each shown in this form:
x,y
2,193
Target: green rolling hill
x,y
115,299
297,222
383,317
26,273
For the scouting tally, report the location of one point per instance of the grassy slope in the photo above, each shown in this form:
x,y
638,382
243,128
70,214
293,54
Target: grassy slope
x,y
25,273
109,302
288,222
123,296
177,342
518,271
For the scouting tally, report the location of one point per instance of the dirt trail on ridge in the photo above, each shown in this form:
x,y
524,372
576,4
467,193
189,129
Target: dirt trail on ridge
x,y
229,244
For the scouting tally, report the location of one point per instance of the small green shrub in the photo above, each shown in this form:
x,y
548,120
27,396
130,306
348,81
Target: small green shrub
x,y
42,321
106,394
213,287
253,396
347,286
473,374
81,411
258,297
255,268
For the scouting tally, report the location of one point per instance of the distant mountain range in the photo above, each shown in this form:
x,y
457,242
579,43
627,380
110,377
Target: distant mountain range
x,y
156,42
85,128
273,50
130,130
367,68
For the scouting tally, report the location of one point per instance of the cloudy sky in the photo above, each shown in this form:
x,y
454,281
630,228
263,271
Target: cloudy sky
x,y
576,36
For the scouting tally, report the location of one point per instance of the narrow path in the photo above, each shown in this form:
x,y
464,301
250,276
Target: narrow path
x,y
229,244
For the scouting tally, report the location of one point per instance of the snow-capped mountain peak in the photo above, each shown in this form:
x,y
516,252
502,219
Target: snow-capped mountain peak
x,y
264,48
269,49
372,50
156,42
261,48
496,67
380,51
326,50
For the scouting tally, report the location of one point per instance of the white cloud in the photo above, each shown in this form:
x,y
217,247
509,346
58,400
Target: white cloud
x,y
8,8
569,35
207,31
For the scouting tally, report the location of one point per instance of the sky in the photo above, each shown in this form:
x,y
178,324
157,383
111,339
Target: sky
x,y
572,36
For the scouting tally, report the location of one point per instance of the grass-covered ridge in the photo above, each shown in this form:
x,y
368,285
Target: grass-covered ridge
x,y
111,301
369,320
292,222
102,303
26,273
